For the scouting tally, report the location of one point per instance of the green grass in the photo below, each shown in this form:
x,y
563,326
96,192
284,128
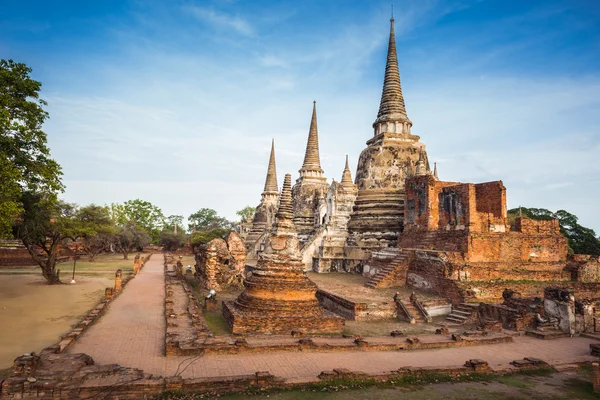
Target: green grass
x,y
427,386
216,323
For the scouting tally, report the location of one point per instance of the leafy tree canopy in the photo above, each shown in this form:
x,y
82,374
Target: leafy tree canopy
x,y
246,214
582,240
130,237
143,213
207,219
174,220
170,240
48,223
25,163
203,237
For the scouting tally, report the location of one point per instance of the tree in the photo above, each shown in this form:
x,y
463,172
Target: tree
x,y
143,213
582,240
100,232
206,219
171,241
10,191
25,163
47,224
246,214
203,237
130,237
173,221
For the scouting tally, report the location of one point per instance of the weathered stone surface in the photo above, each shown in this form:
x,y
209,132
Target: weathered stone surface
x,y
264,215
220,264
278,296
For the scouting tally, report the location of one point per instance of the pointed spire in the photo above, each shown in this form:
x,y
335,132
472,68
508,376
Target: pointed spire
x,y
391,107
271,181
285,211
347,175
435,174
421,167
312,162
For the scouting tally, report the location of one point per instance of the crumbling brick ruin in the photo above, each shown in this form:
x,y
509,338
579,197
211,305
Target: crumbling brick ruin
x,y
220,264
278,296
398,224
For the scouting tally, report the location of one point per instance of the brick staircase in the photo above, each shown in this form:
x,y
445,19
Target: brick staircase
x,y
547,330
389,262
463,313
414,311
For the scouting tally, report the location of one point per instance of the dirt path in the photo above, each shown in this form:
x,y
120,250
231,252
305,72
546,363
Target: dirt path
x,y
33,315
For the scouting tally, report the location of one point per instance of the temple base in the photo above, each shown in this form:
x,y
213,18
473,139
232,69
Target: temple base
x,y
243,322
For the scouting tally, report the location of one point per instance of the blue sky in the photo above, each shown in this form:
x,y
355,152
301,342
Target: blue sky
x,y
176,102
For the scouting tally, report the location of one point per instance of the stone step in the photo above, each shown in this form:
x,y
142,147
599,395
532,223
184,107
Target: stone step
x,y
461,312
457,316
455,320
547,335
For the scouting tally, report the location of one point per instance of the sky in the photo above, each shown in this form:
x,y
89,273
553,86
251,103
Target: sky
x,y
176,102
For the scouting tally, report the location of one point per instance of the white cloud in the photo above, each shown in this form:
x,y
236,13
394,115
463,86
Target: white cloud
x,y
221,20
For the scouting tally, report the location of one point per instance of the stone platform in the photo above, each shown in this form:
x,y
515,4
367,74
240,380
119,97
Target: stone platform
x,y
247,323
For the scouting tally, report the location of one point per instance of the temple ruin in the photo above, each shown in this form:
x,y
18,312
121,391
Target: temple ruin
x,y
278,296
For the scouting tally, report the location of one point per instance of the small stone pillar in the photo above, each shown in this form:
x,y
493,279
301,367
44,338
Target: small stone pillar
x,y
596,377
210,305
108,293
179,266
118,278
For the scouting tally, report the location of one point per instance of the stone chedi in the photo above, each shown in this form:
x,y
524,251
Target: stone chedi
x,y
340,200
278,296
392,155
309,191
264,216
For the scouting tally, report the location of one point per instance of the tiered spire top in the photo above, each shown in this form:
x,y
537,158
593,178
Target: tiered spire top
x,y
312,162
347,175
285,211
391,106
271,181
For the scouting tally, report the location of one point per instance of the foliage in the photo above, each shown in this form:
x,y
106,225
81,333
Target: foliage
x,y
10,191
246,214
144,214
173,221
582,240
101,231
207,219
203,237
170,240
46,225
131,237
25,163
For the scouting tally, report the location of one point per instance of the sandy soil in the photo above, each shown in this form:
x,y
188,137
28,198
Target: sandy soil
x,y
33,315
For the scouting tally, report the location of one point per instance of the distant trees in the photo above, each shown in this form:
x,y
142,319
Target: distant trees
x,y
246,214
145,215
206,219
46,224
100,231
130,237
582,240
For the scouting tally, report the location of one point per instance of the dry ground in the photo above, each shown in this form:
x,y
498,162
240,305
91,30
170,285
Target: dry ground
x,y
33,315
